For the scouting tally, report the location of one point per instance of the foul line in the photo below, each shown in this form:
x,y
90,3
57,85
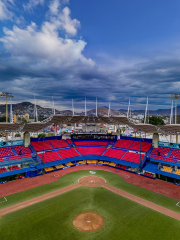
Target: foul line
x,y
118,191
4,201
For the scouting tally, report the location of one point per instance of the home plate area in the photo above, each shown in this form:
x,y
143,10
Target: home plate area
x,y
91,181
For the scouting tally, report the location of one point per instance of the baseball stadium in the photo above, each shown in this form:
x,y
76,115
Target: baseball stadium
x,y
91,185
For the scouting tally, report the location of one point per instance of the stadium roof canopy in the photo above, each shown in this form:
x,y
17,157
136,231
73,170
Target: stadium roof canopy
x,y
10,127
61,119
34,127
148,128
170,128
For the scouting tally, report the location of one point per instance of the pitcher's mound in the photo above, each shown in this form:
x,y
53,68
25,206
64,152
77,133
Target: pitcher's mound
x,y
88,222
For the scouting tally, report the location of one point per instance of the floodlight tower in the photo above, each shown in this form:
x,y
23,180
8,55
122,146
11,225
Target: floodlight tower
x,y
6,95
175,97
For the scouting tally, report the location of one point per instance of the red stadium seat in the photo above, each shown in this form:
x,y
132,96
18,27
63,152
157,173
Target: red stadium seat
x,y
69,141
144,146
121,143
6,151
161,153
114,153
3,169
132,157
49,156
91,150
59,143
68,153
91,143
24,150
38,146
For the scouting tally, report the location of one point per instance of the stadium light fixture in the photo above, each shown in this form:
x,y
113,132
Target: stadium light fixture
x,y
175,97
6,95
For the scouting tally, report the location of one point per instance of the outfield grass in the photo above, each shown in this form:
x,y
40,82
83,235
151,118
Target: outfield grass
x,y
111,178
52,219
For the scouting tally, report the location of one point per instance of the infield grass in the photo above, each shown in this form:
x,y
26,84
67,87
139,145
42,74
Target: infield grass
x,y
52,219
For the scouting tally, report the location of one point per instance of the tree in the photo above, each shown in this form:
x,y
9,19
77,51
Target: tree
x,y
24,120
51,134
118,130
40,118
123,129
17,135
156,120
41,135
3,119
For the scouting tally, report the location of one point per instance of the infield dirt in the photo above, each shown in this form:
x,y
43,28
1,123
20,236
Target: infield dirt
x,y
88,221
93,181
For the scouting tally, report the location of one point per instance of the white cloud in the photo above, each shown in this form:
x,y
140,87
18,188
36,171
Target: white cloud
x,y
69,25
4,12
32,4
54,7
45,46
62,19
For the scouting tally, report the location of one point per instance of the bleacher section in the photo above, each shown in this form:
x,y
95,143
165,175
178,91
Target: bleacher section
x,y
114,153
18,157
92,161
90,143
122,166
22,150
14,168
69,141
105,163
112,164
144,146
68,153
123,143
175,154
6,151
162,162
59,143
91,150
59,166
132,157
49,169
167,169
161,153
38,146
14,152
69,164
81,162
49,156
3,169
177,171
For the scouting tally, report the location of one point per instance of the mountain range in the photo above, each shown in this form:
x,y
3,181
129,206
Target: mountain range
x,y
23,107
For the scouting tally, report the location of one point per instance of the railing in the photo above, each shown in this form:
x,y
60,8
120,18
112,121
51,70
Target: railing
x,y
170,145
11,143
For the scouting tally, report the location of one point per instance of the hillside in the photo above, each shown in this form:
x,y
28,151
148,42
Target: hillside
x,y
28,107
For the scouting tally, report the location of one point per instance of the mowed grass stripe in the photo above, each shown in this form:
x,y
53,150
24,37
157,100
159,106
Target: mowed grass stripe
x,y
111,179
52,219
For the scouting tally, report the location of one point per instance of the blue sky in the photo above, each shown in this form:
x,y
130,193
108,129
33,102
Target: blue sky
x,y
74,49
